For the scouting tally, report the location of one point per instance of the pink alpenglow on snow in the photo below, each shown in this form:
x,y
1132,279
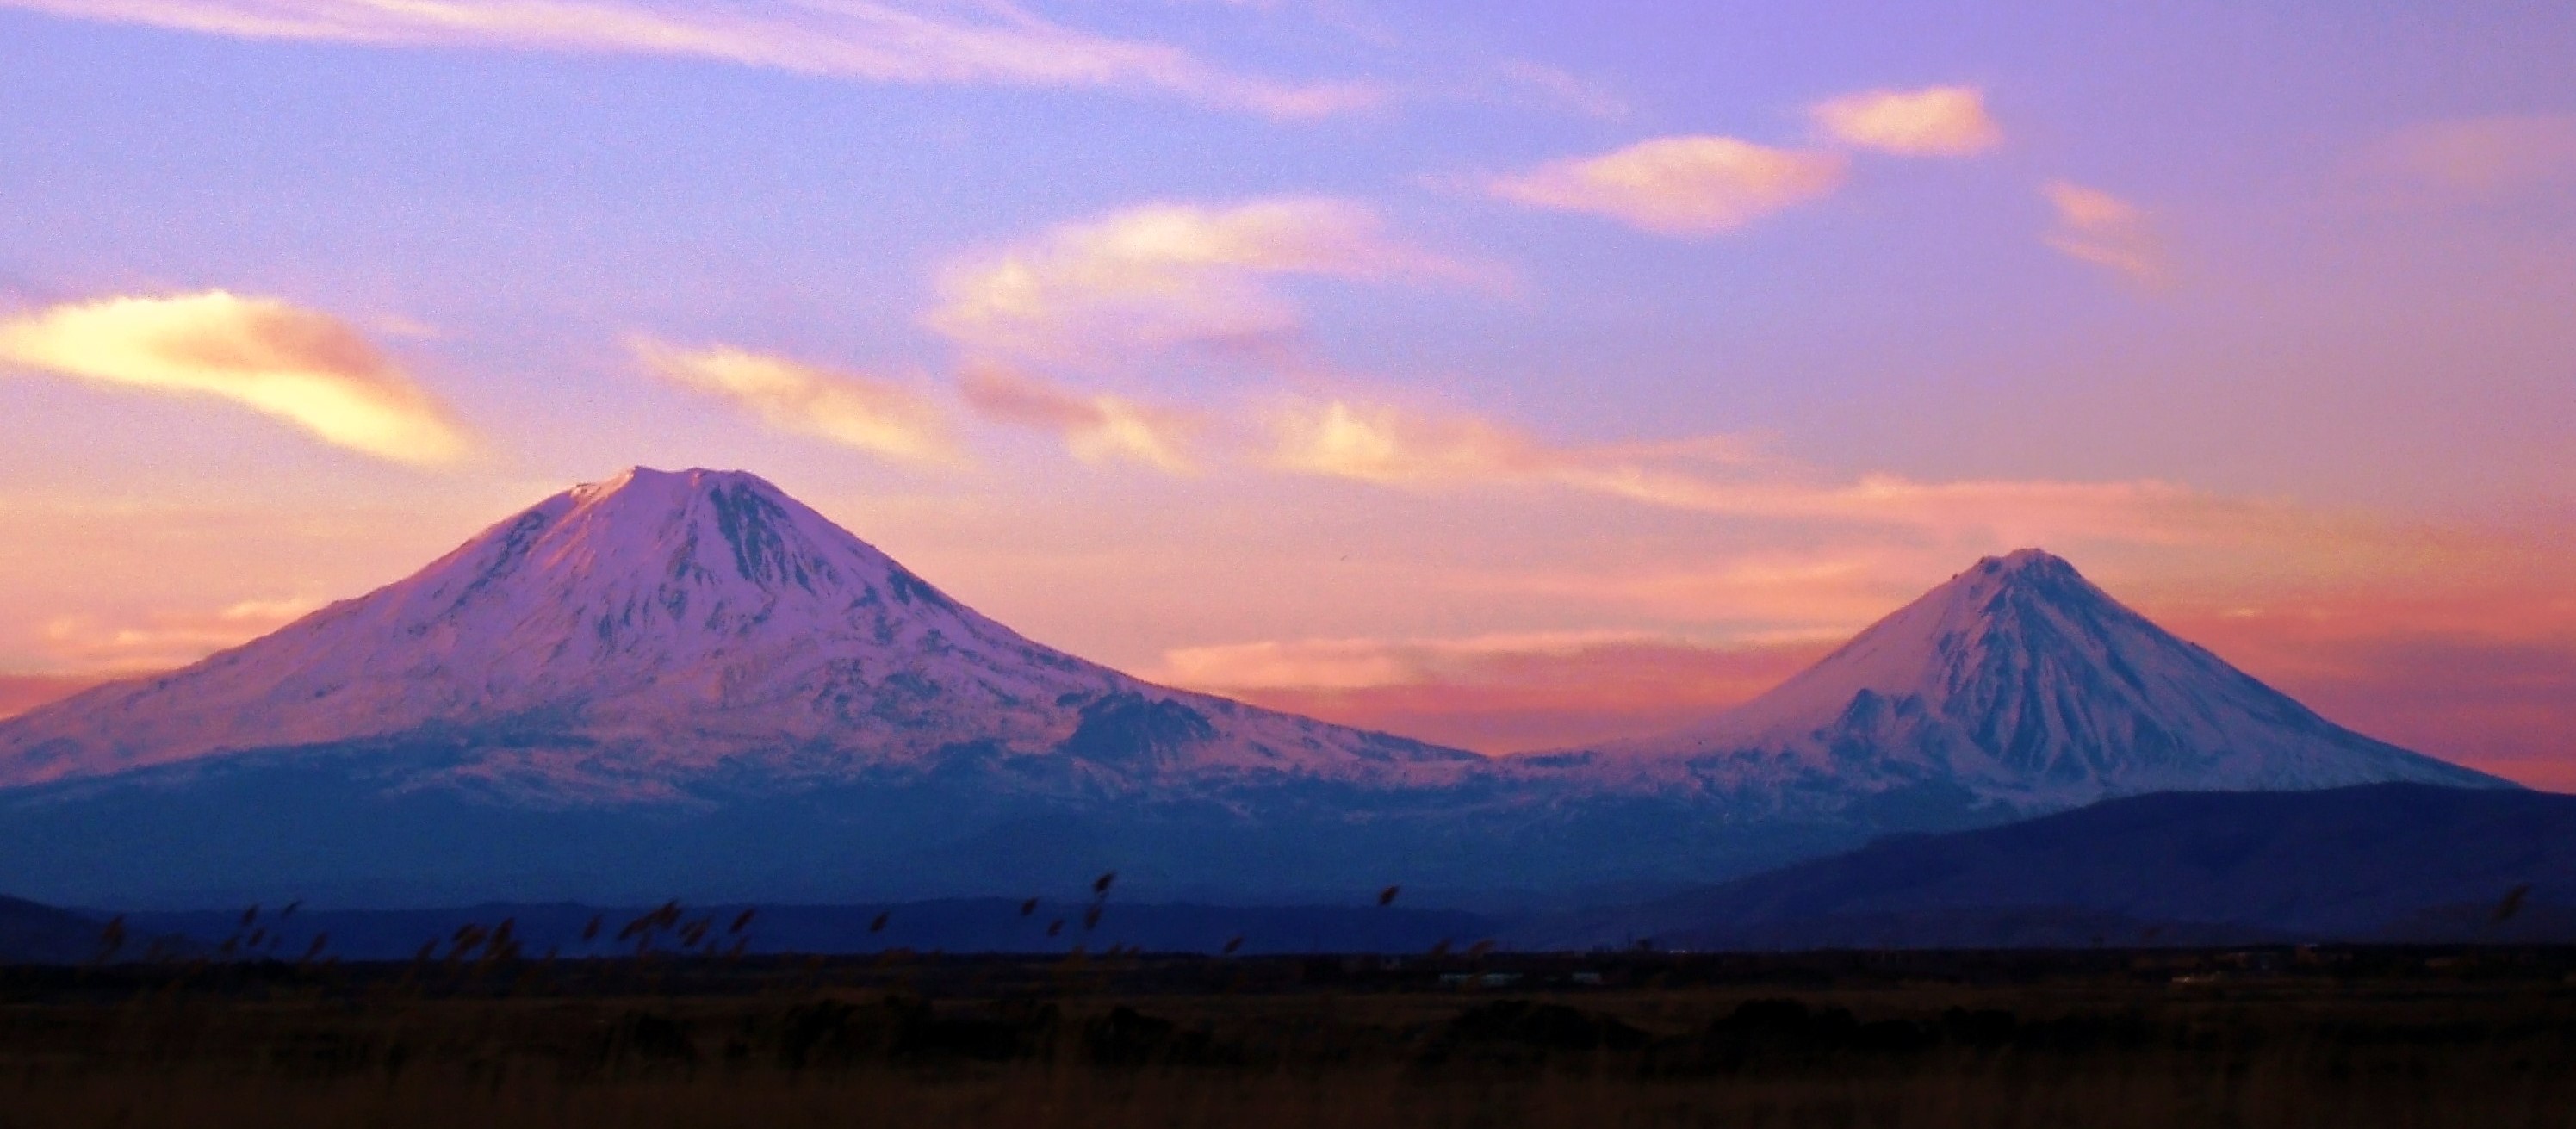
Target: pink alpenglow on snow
x,y
679,625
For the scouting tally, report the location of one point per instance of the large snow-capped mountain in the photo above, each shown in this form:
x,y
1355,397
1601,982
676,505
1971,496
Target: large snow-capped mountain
x,y
642,637
2019,684
688,684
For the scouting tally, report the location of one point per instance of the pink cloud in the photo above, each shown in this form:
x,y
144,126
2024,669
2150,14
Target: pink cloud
x,y
2096,227
1096,428
165,639
1941,121
992,42
1163,275
1682,186
1726,476
1494,694
2486,157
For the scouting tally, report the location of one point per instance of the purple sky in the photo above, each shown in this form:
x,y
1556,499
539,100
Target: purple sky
x,y
1394,365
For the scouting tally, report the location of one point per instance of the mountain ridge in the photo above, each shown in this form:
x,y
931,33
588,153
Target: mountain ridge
x,y
671,626
687,684
2024,684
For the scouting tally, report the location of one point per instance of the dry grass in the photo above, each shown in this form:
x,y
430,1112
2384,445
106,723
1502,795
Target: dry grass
x,y
856,1044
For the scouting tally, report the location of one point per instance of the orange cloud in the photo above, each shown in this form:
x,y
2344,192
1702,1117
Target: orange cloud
x,y
1942,121
1684,186
992,42
1384,445
1164,275
1096,428
1495,694
2098,228
2486,157
881,417
298,365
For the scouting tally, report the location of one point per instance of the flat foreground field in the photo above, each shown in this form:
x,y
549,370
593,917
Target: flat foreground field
x,y
2339,1038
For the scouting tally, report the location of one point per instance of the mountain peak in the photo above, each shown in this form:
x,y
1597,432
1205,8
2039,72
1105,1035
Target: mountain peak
x,y
2037,570
2032,561
654,627
651,482
2019,680
699,526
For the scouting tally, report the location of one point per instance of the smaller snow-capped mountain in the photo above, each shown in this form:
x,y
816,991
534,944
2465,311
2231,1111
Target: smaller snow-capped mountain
x,y
636,638
690,685
2018,683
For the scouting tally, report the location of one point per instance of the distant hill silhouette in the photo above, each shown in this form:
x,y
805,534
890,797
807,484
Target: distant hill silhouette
x,y
40,934
2387,862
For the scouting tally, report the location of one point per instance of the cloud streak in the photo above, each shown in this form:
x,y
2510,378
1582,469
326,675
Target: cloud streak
x,y
168,639
1679,186
1941,121
1338,439
1726,476
1494,693
2096,227
298,365
1096,428
2486,158
881,417
1166,275
989,43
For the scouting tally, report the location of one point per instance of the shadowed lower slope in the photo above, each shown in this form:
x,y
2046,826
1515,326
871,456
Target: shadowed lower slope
x,y
2390,861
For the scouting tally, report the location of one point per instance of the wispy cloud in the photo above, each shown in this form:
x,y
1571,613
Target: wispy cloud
x,y
1684,186
1165,275
2485,158
885,418
986,42
1559,87
2106,231
1385,445
1354,664
1494,693
167,639
1765,597
1726,475
299,365
1096,427
1941,121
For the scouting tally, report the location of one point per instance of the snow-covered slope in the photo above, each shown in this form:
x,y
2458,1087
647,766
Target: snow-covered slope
x,y
633,639
2021,684
689,685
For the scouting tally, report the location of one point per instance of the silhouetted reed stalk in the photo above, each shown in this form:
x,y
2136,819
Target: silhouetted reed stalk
x,y
437,1041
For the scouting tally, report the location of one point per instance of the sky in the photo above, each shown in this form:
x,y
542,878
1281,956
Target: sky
x,y
1508,374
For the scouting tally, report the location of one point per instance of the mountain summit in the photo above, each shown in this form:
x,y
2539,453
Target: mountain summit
x,y
643,637
691,685
2020,683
